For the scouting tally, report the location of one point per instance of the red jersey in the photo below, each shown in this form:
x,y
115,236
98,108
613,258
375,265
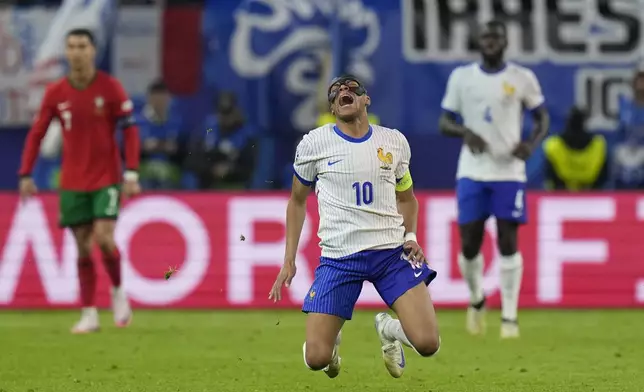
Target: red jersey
x,y
91,157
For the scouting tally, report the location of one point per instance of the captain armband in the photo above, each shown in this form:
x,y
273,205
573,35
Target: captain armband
x,y
404,183
126,121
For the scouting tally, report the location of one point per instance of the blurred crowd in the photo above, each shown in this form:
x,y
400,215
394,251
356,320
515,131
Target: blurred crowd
x,y
221,154
577,160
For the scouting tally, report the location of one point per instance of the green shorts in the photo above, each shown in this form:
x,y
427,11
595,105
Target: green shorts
x,y
79,208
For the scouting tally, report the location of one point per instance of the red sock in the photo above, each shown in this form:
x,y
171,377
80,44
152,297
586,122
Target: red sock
x,y
113,266
87,281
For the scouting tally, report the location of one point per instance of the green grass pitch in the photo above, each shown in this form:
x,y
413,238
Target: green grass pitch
x,y
247,351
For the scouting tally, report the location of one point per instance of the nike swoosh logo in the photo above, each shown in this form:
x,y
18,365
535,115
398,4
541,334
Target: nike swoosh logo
x,y
331,163
402,360
417,274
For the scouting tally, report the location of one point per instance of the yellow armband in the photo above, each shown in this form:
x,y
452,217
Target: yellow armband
x,y
404,183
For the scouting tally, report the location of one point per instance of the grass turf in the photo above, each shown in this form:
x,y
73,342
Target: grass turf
x,y
214,351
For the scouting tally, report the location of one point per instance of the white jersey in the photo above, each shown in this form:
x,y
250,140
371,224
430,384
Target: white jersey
x,y
491,106
355,184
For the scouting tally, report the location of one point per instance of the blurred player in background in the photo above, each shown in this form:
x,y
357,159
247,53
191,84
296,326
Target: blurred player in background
x,y
90,105
368,216
491,176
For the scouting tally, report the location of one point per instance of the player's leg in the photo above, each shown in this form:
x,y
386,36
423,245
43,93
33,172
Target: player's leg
x,y
508,202
323,338
404,289
473,209
76,213
106,204
329,303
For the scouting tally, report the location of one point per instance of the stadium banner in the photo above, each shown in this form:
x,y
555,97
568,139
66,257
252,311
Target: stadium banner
x,y
136,51
583,53
22,30
579,251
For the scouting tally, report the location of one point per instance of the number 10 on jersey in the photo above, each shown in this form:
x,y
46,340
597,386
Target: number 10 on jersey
x,y
364,193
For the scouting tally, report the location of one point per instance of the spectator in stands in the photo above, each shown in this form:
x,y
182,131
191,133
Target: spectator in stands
x,y
575,160
628,155
223,154
159,137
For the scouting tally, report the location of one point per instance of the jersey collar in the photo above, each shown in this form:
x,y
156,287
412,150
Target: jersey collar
x,y
352,139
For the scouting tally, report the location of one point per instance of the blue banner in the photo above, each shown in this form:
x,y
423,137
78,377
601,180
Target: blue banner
x,y
271,51
278,55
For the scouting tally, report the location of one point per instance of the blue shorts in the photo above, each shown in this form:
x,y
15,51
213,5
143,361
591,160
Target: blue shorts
x,y
338,282
478,200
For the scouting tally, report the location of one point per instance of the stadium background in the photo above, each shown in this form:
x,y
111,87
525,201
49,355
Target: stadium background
x,y
581,250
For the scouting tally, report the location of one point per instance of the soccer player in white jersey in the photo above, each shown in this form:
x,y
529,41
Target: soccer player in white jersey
x,y
368,216
491,179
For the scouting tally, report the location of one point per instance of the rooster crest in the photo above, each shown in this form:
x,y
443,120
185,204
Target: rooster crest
x,y
387,158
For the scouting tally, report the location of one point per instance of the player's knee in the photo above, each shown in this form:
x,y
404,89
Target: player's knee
x,y
317,355
470,247
470,252
507,245
428,345
105,241
84,247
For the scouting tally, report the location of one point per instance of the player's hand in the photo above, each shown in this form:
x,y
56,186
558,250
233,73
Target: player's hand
x,y
522,151
414,254
27,187
476,143
131,188
284,278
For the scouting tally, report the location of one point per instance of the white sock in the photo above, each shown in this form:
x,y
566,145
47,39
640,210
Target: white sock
x,y
472,271
511,274
393,331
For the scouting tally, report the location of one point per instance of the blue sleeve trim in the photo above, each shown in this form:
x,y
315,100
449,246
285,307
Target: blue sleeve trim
x,y
398,179
302,179
453,113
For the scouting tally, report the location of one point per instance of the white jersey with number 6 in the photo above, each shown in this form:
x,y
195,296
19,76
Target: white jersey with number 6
x,y
355,184
491,105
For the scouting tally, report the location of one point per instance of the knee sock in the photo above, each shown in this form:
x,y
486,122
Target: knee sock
x,y
511,274
112,262
87,281
472,271
393,330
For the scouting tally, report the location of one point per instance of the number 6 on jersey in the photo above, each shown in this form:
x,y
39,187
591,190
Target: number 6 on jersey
x,y
364,193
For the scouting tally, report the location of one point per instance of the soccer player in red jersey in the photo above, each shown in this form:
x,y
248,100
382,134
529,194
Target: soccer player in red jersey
x,y
90,106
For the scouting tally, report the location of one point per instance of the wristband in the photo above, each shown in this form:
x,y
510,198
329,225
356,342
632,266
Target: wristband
x,y
130,175
411,237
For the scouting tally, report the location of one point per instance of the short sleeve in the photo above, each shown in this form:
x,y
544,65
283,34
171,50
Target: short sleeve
x,y
304,167
403,164
452,99
532,97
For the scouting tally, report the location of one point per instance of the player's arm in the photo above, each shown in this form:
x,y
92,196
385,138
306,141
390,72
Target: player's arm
x,y
451,106
448,121
38,130
534,101
405,198
125,120
304,173
408,207
304,170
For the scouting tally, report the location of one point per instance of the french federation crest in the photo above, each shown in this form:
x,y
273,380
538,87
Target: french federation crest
x,y
387,159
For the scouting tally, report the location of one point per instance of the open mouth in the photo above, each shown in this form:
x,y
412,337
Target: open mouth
x,y
346,100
